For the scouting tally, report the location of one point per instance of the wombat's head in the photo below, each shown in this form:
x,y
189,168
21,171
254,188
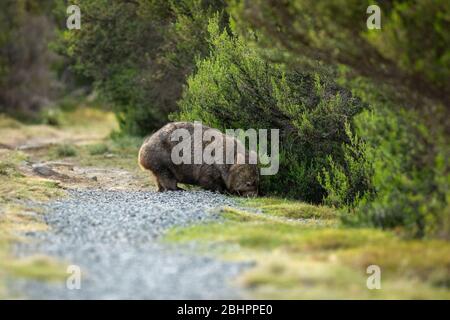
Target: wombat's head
x,y
243,180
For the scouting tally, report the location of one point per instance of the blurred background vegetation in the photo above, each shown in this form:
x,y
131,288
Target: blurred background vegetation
x,y
363,114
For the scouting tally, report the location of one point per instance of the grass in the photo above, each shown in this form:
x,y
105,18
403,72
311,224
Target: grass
x,y
82,125
291,209
261,232
117,152
84,136
17,217
98,149
82,117
15,186
36,267
423,260
7,122
65,150
301,254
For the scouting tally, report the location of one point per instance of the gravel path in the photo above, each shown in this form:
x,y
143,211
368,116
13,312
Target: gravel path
x,y
113,237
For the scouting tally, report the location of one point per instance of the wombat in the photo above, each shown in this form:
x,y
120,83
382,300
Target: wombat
x,y
237,176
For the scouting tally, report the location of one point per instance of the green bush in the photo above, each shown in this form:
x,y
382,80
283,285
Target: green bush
x,y
395,177
98,149
125,144
235,88
411,50
349,181
66,150
140,62
394,173
50,116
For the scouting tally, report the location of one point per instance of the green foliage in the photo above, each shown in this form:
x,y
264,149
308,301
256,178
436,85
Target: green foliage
x,y
98,149
50,116
415,36
66,150
236,88
140,62
395,177
411,49
348,182
125,142
394,172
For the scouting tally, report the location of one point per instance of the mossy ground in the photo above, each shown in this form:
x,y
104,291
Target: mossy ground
x,y
302,251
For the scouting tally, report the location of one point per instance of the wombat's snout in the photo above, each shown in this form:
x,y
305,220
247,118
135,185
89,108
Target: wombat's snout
x,y
244,180
251,189
248,187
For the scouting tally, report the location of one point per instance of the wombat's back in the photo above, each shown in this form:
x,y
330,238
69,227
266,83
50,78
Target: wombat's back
x,y
157,147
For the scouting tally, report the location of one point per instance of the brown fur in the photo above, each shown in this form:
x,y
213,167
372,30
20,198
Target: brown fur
x,y
155,155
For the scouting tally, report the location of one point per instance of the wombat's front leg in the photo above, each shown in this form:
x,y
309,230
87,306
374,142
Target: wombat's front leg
x,y
167,182
212,184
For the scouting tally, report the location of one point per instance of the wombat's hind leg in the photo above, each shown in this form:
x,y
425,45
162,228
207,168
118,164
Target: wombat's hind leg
x,y
158,184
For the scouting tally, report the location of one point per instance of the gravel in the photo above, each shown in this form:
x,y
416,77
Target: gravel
x,y
114,237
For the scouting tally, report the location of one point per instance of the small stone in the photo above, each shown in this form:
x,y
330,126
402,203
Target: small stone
x,y
43,170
